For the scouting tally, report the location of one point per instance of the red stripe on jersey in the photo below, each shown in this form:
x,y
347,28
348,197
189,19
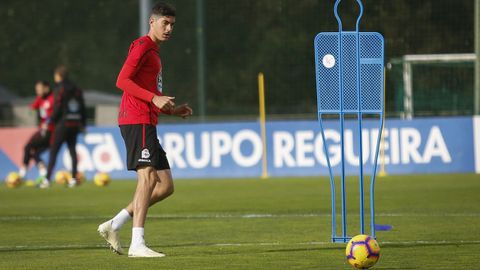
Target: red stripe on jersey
x,y
143,136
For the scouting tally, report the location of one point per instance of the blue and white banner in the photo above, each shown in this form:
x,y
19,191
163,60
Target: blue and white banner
x,y
294,148
417,146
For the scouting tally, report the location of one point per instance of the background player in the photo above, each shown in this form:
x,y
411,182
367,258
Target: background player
x,y
40,140
142,101
69,117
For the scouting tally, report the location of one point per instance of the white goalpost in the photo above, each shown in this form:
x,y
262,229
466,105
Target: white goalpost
x,y
411,60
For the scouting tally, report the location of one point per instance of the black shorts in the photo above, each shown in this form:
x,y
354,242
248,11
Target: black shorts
x,y
40,141
143,147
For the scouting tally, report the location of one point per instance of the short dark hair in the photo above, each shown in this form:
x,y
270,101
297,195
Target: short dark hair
x,y
62,71
42,82
163,9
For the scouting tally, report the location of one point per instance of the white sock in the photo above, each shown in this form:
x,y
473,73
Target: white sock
x,y
137,237
22,172
121,218
42,171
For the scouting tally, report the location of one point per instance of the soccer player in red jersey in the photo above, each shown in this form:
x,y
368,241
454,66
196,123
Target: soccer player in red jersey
x,y
40,140
140,79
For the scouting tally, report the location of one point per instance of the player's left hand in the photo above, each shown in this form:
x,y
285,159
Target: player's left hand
x,y
183,111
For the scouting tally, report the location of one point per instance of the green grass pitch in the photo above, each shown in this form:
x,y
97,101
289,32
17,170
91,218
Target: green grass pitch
x,y
279,223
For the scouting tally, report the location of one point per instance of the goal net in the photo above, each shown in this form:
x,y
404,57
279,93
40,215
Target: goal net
x,y
431,84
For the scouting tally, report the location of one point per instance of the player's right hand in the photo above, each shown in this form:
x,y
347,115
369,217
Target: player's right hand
x,y
43,129
164,103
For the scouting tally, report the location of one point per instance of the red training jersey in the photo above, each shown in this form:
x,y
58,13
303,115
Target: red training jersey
x,y
44,105
140,79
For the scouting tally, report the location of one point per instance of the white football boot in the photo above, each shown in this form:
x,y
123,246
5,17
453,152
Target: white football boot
x,y
142,251
111,236
44,184
72,183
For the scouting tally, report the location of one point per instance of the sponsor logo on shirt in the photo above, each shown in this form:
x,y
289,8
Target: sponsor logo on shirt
x,y
73,106
160,82
43,109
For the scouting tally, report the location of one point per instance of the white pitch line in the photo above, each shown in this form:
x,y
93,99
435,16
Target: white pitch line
x,y
76,246
40,247
227,216
425,242
406,243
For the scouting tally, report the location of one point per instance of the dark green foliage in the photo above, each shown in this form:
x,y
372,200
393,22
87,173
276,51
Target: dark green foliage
x,y
242,39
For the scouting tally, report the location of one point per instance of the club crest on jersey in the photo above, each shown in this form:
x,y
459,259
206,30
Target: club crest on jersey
x,y
145,153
